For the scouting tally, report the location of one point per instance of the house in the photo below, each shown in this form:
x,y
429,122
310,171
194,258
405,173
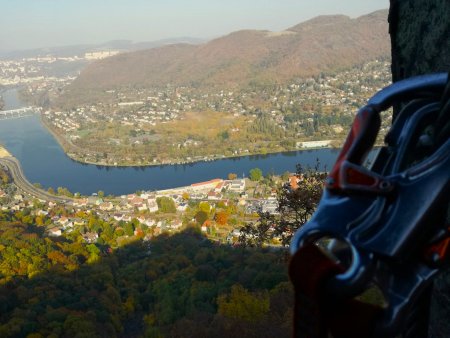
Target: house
x,y
135,201
182,207
198,196
42,213
131,196
106,206
152,205
157,231
270,206
294,181
63,220
219,187
94,200
18,197
79,222
123,205
176,224
54,232
236,233
206,226
15,207
118,217
149,222
68,225
242,201
82,202
314,144
141,207
214,196
90,237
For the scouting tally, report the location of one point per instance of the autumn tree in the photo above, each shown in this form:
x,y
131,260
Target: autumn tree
x,y
232,176
222,217
295,207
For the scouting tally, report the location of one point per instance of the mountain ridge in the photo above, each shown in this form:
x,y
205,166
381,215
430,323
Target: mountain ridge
x,y
322,44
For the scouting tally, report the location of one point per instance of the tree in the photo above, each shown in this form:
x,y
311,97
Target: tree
x,y
242,304
4,177
201,217
295,207
129,229
256,174
204,206
166,204
232,176
222,217
285,176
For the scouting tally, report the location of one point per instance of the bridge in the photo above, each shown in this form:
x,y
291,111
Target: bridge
x,y
18,113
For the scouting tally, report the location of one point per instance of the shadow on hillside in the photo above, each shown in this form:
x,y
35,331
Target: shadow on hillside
x,y
168,286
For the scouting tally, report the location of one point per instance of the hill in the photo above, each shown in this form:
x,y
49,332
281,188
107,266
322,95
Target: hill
x,y
322,44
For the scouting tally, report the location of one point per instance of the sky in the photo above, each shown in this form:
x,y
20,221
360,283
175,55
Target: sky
x,y
26,24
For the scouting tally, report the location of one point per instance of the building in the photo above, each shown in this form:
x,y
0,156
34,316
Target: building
x,y
100,54
90,237
237,185
314,144
205,186
54,232
152,205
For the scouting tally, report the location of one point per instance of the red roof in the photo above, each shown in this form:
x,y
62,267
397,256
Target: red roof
x,y
216,180
293,181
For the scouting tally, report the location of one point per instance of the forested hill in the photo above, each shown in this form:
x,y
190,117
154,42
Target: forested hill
x,y
176,286
325,43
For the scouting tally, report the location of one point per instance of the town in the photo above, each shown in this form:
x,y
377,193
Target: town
x,y
173,124
44,69
217,208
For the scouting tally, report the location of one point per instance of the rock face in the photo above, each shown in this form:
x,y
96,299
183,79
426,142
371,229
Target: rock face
x,y
420,37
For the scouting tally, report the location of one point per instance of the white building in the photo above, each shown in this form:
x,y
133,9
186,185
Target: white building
x,y
237,185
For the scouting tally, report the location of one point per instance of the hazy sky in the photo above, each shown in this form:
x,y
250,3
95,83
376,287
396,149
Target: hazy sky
x,y
43,23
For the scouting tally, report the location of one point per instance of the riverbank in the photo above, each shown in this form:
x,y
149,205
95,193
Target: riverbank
x,y
66,148
4,152
44,161
25,186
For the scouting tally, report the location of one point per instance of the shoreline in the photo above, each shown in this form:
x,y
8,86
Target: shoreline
x,y
4,152
57,137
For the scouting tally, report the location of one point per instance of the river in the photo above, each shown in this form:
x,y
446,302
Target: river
x,y
43,161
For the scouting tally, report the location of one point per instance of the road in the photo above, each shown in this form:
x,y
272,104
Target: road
x,y
22,183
